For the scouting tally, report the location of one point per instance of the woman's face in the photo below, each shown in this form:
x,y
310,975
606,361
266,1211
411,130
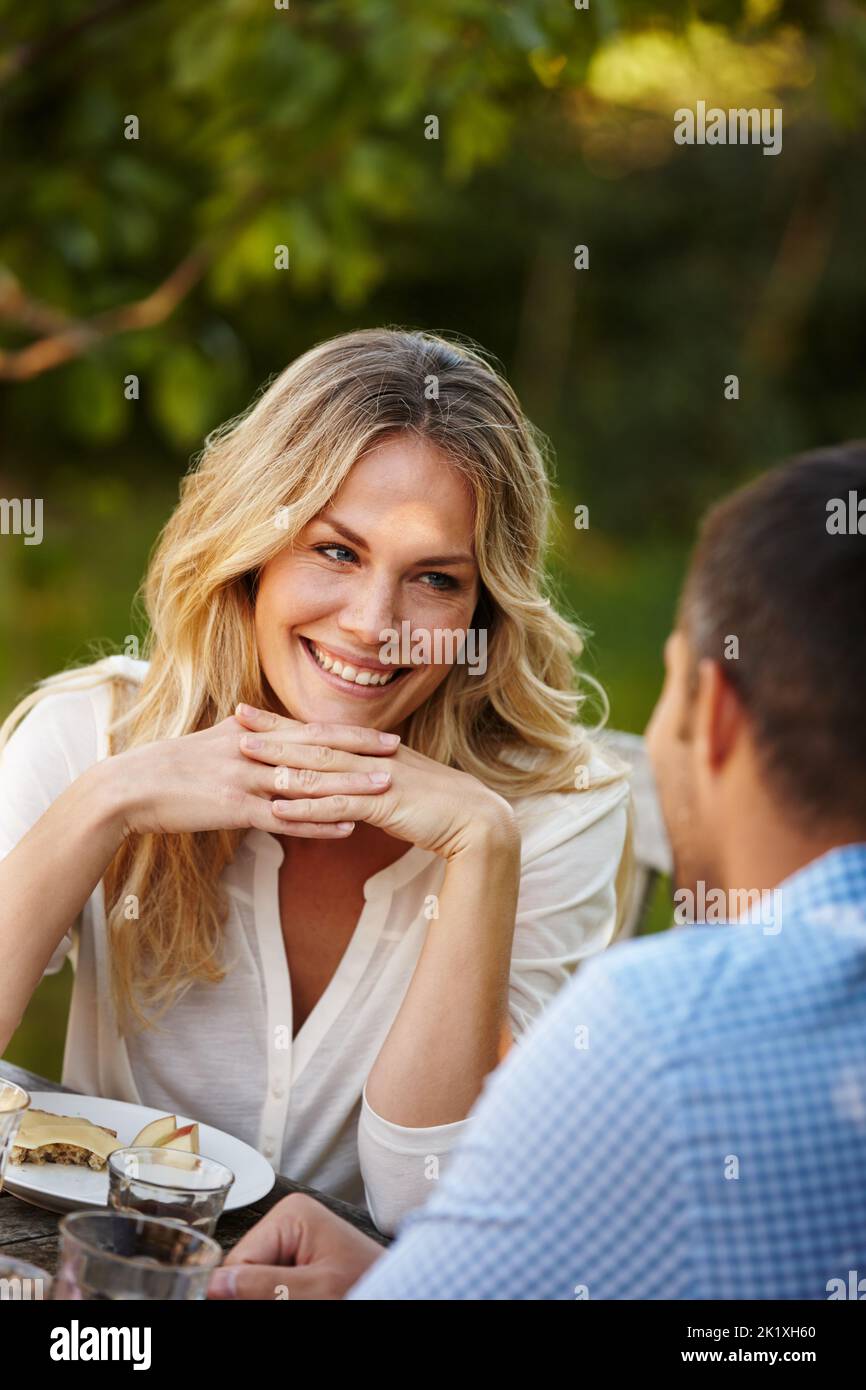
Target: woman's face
x,y
395,546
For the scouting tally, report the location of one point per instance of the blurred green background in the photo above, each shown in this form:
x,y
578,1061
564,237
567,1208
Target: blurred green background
x,y
256,126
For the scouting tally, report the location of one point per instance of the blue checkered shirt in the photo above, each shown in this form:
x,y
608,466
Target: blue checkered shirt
x,y
687,1120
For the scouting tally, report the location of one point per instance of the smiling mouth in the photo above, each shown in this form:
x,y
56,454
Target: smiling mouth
x,y
351,674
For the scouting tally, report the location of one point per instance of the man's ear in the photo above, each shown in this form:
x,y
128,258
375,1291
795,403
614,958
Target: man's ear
x,y
719,716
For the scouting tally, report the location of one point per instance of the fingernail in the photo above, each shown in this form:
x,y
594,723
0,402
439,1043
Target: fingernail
x,y
345,825
249,741
223,1281
380,779
389,740
245,709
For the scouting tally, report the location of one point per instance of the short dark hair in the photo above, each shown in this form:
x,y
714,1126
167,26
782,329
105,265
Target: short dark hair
x,y
774,568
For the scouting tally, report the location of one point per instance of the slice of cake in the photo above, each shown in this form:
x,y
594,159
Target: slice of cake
x,y
46,1138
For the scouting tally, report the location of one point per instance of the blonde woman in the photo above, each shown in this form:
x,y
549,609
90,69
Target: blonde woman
x,y
313,894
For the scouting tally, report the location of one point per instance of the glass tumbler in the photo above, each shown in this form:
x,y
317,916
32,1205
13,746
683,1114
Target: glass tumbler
x,y
14,1100
169,1182
22,1282
118,1255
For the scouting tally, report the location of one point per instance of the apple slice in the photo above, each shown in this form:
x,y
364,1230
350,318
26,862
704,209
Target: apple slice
x,y
185,1138
155,1132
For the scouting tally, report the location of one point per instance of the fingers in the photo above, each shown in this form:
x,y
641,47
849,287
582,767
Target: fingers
x,y
313,830
298,1250
274,1282
279,751
326,809
321,771
290,782
349,738
261,816
276,1238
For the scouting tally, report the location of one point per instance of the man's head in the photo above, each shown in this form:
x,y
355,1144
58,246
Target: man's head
x,y
765,691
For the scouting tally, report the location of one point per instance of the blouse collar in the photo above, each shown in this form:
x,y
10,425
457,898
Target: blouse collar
x,y
385,882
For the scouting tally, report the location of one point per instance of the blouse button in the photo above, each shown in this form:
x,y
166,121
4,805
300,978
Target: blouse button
x,y
277,1091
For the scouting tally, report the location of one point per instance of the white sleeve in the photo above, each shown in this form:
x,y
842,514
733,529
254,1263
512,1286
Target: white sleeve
x,y
567,905
41,759
400,1165
566,910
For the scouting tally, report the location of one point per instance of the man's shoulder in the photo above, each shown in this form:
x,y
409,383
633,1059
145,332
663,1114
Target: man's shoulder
x,y
655,977
691,984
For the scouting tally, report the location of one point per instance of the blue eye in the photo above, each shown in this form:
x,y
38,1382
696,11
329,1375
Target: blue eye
x,y
342,555
443,581
345,557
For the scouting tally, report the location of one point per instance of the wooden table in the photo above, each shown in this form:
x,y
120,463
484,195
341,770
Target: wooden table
x,y
30,1233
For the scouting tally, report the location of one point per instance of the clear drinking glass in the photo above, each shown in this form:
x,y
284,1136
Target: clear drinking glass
x,y
14,1100
169,1182
21,1281
118,1255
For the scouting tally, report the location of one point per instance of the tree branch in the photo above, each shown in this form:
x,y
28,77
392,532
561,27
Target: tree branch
x,y
68,338
28,53
77,336
30,314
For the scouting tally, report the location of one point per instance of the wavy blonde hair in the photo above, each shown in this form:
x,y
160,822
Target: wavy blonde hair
x,y
517,727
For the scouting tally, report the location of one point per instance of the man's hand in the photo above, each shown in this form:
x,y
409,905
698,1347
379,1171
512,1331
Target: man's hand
x,y
298,1250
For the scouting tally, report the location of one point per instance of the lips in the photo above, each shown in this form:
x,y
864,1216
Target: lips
x,y
353,673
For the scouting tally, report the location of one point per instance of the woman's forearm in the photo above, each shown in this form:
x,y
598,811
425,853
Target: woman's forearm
x,y
46,880
447,1035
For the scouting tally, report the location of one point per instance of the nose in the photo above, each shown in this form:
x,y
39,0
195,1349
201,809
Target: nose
x,y
369,611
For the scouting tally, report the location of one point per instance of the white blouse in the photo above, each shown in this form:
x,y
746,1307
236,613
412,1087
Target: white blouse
x,y
224,1053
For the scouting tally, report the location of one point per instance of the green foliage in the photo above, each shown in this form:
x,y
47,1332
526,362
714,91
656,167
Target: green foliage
x,y
307,128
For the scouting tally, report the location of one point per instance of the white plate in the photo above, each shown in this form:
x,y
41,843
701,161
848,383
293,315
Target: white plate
x,y
66,1187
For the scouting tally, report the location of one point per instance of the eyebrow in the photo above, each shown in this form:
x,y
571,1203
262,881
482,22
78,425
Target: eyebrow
x,y
328,519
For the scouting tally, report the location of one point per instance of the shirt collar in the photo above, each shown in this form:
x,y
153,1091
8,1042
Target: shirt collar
x,y
836,879
386,881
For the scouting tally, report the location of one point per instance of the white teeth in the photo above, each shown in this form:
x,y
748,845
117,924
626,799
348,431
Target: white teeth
x,y
348,672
